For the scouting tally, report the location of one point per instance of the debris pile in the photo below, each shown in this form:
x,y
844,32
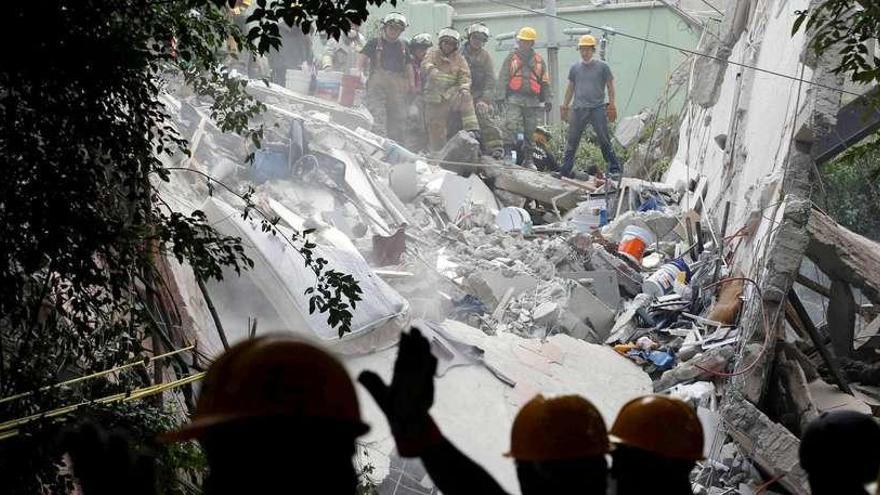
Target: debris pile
x,y
635,266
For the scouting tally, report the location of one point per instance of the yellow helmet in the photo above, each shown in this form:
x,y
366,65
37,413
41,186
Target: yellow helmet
x,y
527,34
587,40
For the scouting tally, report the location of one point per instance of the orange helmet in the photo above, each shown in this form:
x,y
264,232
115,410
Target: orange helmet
x,y
274,375
565,427
661,425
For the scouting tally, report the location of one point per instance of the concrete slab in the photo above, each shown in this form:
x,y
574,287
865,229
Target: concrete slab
x,y
460,193
587,306
490,286
827,397
603,283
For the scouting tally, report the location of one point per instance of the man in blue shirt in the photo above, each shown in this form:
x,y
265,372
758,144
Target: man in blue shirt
x,y
587,81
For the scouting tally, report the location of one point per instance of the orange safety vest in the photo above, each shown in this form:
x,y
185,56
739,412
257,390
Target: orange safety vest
x,y
516,74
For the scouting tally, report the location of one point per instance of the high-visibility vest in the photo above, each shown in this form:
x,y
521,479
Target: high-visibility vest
x,y
516,74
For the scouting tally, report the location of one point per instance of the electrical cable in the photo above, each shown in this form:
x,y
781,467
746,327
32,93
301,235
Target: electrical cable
x,y
672,47
142,362
712,7
122,396
632,91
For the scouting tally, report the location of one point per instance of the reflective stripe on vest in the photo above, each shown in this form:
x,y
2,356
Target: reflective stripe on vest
x,y
516,74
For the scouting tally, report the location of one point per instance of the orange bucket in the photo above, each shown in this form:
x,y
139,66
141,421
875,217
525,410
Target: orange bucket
x,y
634,242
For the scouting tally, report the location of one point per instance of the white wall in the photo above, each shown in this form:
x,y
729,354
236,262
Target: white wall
x,y
767,106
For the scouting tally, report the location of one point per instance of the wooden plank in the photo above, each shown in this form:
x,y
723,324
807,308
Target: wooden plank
x,y
844,255
807,325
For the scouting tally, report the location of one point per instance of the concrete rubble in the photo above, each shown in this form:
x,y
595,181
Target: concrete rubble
x,y
512,309
612,290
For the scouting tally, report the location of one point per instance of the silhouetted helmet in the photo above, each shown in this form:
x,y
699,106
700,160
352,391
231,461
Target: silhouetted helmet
x,y
661,425
274,376
565,427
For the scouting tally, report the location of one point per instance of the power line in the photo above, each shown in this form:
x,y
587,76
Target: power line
x,y
712,7
642,58
673,47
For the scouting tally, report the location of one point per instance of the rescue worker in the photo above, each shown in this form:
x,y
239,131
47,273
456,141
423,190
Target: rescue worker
x,y
342,55
417,133
418,47
275,411
558,444
658,440
523,90
840,451
587,81
542,156
295,53
391,78
447,89
483,87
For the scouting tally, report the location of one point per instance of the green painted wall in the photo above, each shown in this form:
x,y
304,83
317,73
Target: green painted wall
x,y
636,89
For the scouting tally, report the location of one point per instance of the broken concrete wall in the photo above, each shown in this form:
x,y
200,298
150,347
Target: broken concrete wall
x,y
749,170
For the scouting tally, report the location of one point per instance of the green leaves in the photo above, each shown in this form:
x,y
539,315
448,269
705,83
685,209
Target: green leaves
x,y
844,28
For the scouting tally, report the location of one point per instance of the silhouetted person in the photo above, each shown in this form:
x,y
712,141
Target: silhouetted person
x,y
104,462
840,451
276,414
658,441
558,444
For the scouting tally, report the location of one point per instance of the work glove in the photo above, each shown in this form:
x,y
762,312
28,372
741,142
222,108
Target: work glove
x,y
612,112
481,107
563,113
548,106
408,399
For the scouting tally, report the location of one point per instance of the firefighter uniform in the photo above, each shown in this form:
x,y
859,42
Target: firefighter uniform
x,y
416,130
483,91
389,81
523,89
447,89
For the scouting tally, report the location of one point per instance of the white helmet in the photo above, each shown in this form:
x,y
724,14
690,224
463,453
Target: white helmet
x,y
395,18
422,39
448,33
478,27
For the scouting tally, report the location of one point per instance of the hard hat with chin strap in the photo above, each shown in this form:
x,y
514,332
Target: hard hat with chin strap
x,y
478,28
395,18
449,33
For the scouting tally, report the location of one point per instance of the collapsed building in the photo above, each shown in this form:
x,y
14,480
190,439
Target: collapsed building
x,y
708,285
